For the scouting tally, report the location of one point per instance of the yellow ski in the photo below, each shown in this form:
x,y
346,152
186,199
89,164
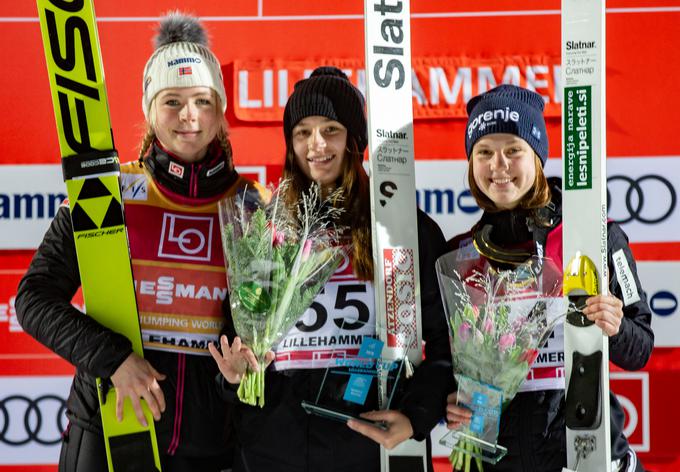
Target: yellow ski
x,y
91,172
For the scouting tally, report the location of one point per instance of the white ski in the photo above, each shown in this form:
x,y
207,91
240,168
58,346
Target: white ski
x,y
584,196
393,206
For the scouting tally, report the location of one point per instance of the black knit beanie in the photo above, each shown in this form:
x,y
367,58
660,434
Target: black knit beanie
x,y
327,92
508,109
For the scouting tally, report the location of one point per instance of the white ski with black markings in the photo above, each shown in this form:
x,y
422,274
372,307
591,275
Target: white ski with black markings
x,y
393,206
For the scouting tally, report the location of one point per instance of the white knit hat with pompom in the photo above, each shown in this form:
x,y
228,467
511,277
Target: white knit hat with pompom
x,y
181,59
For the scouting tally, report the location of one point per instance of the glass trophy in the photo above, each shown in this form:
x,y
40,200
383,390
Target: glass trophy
x,y
354,380
479,438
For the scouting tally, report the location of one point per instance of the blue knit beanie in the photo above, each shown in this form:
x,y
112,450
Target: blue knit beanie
x,y
508,109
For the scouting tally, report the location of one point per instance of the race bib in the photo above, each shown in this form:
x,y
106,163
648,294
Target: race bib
x,y
547,372
333,326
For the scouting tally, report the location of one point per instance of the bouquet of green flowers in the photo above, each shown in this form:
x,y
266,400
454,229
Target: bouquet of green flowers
x,y
278,258
497,319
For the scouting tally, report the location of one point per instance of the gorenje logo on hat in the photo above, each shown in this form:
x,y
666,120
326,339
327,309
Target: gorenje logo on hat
x,y
489,118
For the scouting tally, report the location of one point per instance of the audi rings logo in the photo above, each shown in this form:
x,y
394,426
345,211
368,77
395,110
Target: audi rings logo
x,y
634,202
663,303
24,420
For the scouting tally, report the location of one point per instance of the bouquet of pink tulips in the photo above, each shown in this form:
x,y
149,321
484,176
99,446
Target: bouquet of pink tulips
x,y
278,258
497,319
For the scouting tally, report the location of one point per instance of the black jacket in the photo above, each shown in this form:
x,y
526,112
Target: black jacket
x,y
533,425
281,437
45,312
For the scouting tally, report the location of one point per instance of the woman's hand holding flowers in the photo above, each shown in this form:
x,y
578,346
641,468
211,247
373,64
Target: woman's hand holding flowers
x,y
234,360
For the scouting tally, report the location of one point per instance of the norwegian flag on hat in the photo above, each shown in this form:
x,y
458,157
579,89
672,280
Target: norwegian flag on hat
x,y
186,70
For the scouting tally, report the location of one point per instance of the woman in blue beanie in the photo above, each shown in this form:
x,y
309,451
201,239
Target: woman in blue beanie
x,y
507,146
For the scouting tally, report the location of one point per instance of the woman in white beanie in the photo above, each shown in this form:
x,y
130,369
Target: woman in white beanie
x,y
170,197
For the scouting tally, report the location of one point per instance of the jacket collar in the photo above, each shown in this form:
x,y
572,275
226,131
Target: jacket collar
x,y
209,177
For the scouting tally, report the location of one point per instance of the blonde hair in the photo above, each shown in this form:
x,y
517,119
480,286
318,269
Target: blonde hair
x,y
538,196
356,202
222,136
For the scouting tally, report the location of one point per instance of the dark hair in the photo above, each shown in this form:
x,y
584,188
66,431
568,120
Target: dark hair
x,y
356,202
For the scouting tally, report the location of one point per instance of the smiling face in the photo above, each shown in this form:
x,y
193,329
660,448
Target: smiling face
x,y
504,168
319,144
186,121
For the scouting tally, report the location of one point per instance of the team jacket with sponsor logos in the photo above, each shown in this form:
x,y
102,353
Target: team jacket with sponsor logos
x,y
171,215
281,437
177,263
533,426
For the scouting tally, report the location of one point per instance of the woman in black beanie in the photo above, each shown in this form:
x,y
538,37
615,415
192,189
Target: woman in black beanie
x,y
507,146
325,134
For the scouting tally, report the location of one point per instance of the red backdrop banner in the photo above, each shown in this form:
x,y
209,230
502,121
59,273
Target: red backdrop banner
x,y
459,49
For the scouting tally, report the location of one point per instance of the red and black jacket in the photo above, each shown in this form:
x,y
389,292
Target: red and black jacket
x,y
196,421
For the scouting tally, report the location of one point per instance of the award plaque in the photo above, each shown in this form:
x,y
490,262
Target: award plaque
x,y
353,380
480,437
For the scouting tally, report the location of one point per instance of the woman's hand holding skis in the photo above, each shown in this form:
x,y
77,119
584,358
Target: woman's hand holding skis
x,y
606,311
135,378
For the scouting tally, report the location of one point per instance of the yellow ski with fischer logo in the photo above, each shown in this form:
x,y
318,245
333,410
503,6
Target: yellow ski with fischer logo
x,y
91,172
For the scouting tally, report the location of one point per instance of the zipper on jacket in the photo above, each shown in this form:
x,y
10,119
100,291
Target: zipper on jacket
x,y
179,400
